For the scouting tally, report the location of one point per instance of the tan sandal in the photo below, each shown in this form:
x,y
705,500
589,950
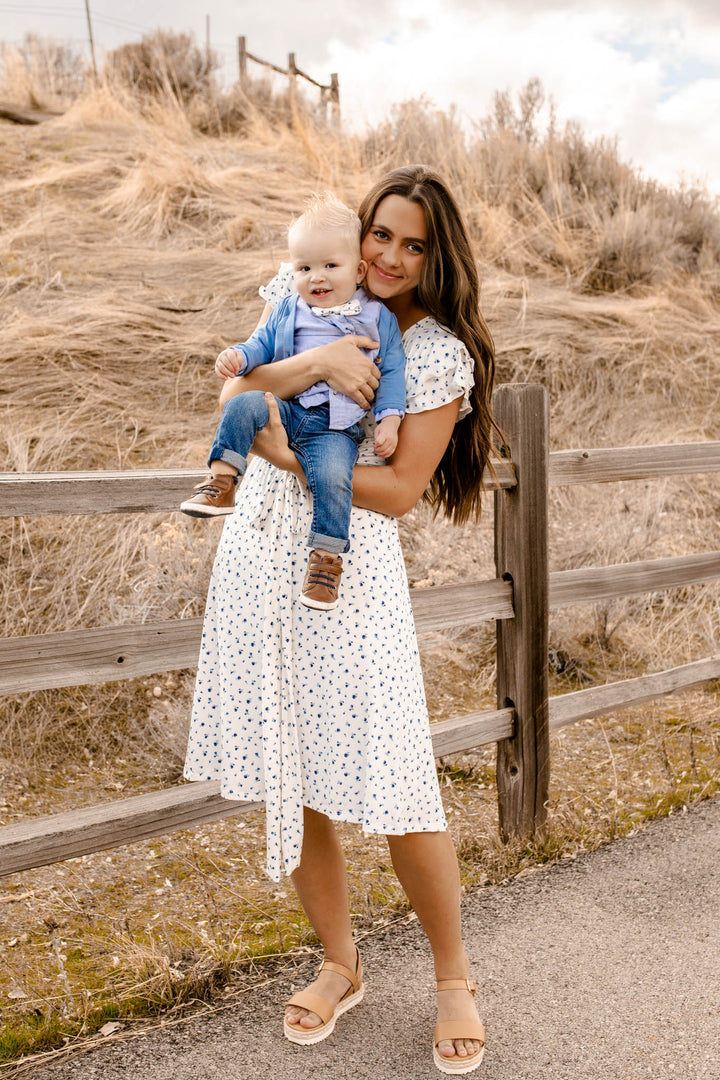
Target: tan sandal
x,y
327,1012
458,1029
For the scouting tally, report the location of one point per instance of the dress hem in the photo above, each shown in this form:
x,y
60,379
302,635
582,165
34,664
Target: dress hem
x,y
338,816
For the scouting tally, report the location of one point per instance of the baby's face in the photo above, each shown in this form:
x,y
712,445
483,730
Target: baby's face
x,y
327,267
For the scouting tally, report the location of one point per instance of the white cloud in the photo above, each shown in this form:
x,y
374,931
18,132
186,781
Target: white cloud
x,y
686,134
463,56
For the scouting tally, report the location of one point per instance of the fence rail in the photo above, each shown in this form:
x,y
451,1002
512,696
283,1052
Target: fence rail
x,y
112,653
160,490
131,491
518,599
632,463
329,94
45,840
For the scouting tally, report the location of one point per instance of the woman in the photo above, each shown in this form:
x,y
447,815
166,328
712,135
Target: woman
x,y
323,715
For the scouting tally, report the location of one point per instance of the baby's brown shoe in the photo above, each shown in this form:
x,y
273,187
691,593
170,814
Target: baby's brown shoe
x,y
322,578
213,497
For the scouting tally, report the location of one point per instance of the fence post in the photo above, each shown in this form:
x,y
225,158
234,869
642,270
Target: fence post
x,y
521,555
242,63
292,84
335,101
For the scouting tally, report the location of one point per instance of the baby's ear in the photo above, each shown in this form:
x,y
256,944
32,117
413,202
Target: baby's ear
x,y
362,270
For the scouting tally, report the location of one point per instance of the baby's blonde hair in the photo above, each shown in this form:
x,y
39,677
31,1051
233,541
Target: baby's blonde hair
x,y
325,211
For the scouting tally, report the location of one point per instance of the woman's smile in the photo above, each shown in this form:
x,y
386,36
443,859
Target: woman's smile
x,y
383,273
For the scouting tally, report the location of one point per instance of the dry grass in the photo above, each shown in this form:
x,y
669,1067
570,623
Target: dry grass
x,y
131,248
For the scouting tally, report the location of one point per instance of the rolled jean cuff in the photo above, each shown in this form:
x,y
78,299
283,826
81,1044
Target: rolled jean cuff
x,y
334,544
221,453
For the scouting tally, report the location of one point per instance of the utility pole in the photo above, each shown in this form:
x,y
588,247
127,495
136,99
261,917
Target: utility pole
x,y
92,43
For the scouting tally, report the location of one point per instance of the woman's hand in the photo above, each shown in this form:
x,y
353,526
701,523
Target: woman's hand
x,y
340,363
348,370
271,442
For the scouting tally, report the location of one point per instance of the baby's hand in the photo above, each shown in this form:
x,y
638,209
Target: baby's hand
x,y
386,436
228,363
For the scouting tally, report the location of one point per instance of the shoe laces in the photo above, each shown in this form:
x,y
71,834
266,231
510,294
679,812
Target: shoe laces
x,y
208,488
322,573
319,578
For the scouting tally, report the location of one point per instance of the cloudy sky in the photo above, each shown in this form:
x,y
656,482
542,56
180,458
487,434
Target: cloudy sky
x,y
646,72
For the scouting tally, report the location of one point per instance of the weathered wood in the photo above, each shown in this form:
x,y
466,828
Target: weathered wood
x,y
110,653
57,837
335,100
53,838
521,556
309,78
104,654
632,463
502,476
291,70
466,732
132,491
591,584
465,604
292,81
138,490
265,63
242,61
567,708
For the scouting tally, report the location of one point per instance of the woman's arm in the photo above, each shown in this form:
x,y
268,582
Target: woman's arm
x,y
340,363
391,489
422,440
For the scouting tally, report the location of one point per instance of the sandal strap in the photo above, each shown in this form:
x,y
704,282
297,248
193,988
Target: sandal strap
x,y
353,977
325,1009
457,984
314,1003
450,1030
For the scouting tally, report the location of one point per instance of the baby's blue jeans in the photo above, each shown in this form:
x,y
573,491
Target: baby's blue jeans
x,y
326,455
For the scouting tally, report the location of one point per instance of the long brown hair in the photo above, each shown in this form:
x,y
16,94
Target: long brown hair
x,y
449,291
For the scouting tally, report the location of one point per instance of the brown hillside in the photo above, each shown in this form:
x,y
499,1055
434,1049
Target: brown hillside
x,y
132,244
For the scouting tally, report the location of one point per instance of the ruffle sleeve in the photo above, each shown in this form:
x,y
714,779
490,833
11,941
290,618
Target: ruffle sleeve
x,y
280,286
439,368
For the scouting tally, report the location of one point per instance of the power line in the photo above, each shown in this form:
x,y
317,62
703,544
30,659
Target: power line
x,y
121,24
45,10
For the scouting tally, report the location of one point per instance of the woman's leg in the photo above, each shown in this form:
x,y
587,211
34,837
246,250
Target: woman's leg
x,y
426,865
321,883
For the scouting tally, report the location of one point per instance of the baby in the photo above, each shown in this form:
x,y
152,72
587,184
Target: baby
x,y
323,426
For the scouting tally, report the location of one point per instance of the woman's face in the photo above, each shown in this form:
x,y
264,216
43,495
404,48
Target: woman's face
x,y
394,247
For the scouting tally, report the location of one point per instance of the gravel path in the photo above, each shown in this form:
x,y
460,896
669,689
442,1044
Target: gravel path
x,y
606,968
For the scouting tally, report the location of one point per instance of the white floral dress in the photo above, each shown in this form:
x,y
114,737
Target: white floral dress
x,y
326,709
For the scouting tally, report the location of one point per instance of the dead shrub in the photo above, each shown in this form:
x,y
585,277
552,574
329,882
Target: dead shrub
x,y
42,72
163,63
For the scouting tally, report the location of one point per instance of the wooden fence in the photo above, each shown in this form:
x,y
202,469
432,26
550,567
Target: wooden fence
x,y
329,95
518,598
